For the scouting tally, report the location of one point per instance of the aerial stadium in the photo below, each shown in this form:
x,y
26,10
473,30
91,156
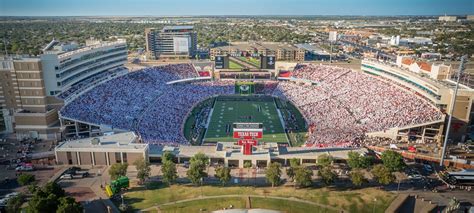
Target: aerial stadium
x,y
299,105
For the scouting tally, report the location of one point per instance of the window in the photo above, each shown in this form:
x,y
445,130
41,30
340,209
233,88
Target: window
x,y
124,155
69,158
118,158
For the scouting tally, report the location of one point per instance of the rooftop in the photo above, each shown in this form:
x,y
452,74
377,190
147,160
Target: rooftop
x,y
248,46
67,49
231,151
178,28
120,141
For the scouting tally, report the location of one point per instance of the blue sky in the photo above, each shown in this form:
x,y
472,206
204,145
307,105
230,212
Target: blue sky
x,y
233,7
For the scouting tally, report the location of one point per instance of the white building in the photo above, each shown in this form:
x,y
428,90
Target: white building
x,y
447,18
395,40
65,65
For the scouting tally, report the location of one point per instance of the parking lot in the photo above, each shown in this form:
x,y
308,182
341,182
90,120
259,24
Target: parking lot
x,y
87,190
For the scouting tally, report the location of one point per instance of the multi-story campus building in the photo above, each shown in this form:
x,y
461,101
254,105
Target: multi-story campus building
x,y
171,42
282,51
27,109
32,90
65,65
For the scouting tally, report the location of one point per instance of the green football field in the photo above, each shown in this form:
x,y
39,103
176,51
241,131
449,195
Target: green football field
x,y
230,109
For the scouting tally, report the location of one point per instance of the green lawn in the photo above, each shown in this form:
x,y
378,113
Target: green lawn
x,y
261,110
286,206
359,200
213,204
207,204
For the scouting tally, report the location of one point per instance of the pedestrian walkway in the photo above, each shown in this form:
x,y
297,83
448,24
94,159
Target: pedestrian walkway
x,y
248,203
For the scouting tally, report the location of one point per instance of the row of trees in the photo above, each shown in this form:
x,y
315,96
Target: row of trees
x,y
301,175
29,37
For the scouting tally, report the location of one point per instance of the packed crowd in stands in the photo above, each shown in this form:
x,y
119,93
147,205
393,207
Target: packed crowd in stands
x,y
91,81
346,104
340,108
142,101
119,102
162,123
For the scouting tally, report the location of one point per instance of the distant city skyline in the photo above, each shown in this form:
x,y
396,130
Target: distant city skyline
x,y
233,7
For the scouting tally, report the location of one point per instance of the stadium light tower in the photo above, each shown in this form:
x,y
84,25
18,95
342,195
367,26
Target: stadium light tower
x,y
453,102
332,39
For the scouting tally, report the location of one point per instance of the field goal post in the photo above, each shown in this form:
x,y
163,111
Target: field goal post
x,y
247,133
244,88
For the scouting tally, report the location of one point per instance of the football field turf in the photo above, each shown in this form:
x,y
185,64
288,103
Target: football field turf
x,y
230,109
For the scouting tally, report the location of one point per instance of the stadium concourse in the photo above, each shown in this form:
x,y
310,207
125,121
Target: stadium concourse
x,y
340,108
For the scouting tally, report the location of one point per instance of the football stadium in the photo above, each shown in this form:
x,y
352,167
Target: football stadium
x,y
311,105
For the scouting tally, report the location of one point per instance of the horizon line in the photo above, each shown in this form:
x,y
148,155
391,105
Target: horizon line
x,y
174,16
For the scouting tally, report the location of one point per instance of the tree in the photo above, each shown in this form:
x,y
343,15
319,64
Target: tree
x,y
167,156
325,160
196,169
327,175
223,173
200,157
366,161
14,203
303,176
195,173
169,172
291,170
53,188
353,159
247,164
42,202
357,177
69,205
357,161
25,179
382,174
46,199
143,169
393,160
117,170
273,173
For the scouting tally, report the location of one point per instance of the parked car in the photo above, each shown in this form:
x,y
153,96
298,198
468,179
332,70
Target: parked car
x,y
72,170
24,168
427,168
82,174
66,177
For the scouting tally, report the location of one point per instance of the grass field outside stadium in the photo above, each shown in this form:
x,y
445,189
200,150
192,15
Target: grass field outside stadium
x,y
356,200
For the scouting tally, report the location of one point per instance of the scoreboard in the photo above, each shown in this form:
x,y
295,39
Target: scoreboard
x,y
221,62
267,62
248,130
247,133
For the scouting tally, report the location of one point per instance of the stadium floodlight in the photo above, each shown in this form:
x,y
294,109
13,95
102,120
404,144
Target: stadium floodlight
x,y
453,102
332,39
